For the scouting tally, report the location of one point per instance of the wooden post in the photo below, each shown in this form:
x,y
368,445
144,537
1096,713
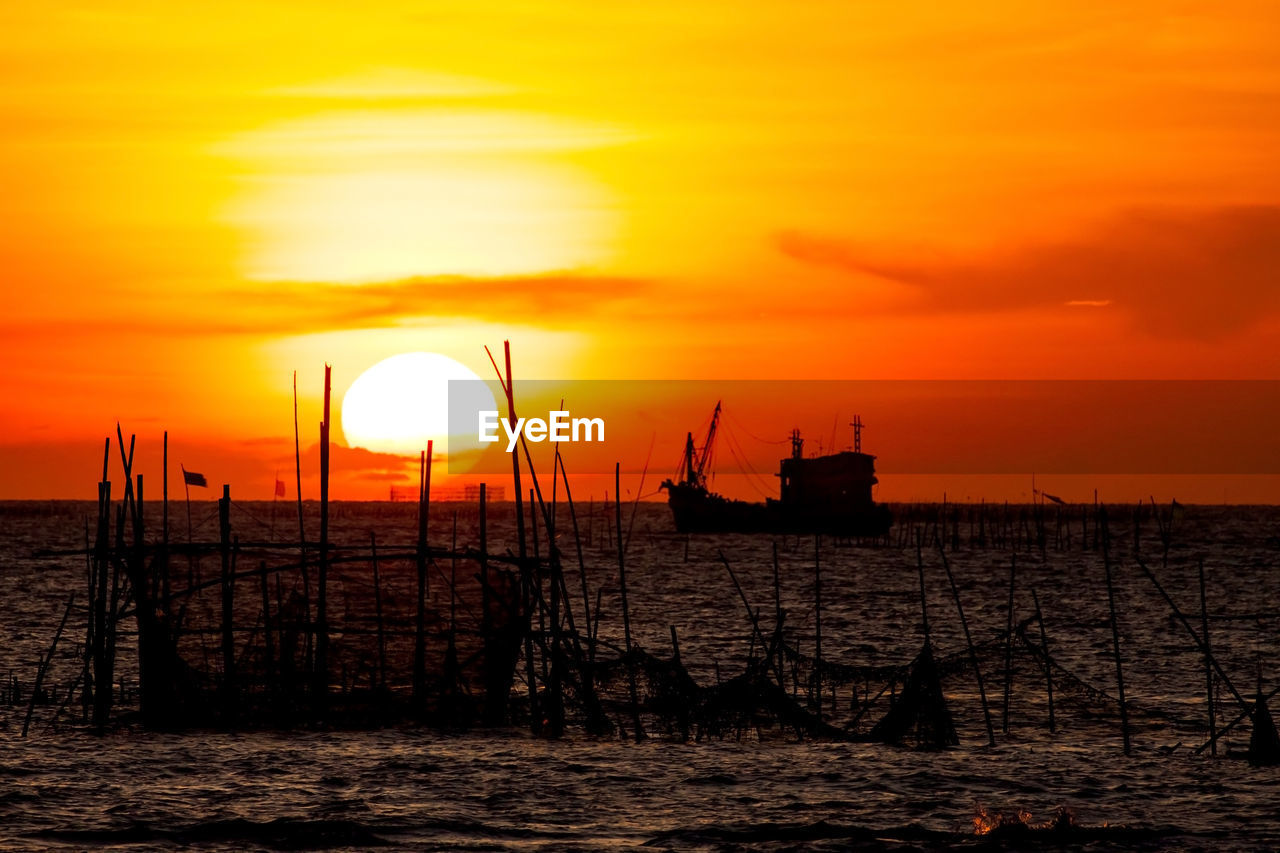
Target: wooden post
x,y
165,590
48,658
597,721
1008,646
102,677
1048,662
535,718
302,528
268,639
321,682
453,581
555,715
536,596
973,654
377,612
494,704
815,695
228,597
626,613
1115,626
777,617
924,601
420,621
1208,666
1195,638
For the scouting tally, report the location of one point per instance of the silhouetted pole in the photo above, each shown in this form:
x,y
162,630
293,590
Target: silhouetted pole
x,y
1008,645
777,616
582,571
494,702
1115,626
228,603
322,592
815,697
48,658
1195,638
1208,666
377,610
268,640
102,676
165,590
626,613
924,601
973,653
420,629
526,582
302,529
1048,663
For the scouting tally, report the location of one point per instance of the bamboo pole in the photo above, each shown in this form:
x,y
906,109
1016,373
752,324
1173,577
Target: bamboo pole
x,y
597,722
86,676
377,610
302,529
555,715
626,613
1200,644
1048,665
753,614
777,617
321,676
973,654
1208,666
102,678
508,386
815,696
924,601
1008,646
1115,626
268,639
228,604
420,620
495,705
44,664
165,589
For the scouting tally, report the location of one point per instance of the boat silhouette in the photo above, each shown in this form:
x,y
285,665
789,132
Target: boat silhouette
x,y
828,494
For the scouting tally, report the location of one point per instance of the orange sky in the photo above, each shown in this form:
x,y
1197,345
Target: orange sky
x,y
201,198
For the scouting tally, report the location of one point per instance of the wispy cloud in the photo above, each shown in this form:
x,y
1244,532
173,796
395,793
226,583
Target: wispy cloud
x,y
302,307
1172,273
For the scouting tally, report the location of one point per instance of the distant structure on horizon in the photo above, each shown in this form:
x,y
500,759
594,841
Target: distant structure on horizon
x,y
469,492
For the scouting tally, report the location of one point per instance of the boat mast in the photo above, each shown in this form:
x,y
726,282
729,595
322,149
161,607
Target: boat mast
x,y
697,476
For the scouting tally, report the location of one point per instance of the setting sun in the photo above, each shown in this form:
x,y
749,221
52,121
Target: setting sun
x,y
400,403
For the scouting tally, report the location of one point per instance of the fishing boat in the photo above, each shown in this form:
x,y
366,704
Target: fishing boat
x,y
828,494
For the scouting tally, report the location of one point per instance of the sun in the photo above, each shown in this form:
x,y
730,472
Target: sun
x,y
401,402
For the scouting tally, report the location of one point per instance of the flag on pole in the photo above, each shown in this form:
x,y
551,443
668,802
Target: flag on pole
x,y
191,478
279,488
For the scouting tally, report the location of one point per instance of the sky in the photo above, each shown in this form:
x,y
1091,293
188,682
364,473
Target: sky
x,y
201,199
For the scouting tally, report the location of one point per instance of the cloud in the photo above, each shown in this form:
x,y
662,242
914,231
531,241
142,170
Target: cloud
x,y
339,306
301,307
1202,274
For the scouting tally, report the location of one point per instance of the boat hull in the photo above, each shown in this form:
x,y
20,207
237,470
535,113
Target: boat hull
x,y
697,510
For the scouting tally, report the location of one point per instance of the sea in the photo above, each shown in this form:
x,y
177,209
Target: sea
x,y
65,787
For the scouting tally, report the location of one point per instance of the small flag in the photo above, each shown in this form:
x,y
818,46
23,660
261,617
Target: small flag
x,y
191,478
1059,501
279,488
